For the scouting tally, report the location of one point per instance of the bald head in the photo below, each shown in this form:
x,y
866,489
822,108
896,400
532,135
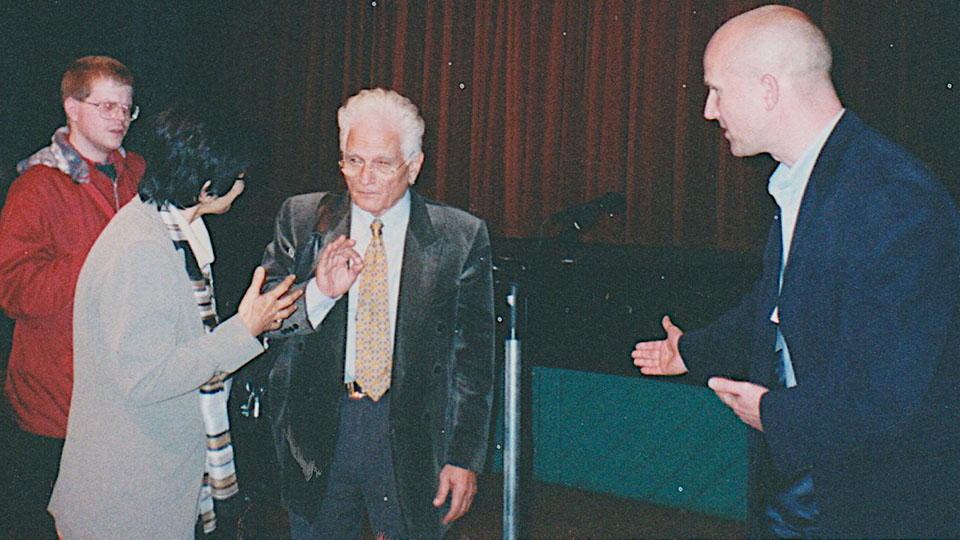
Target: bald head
x,y
768,72
773,39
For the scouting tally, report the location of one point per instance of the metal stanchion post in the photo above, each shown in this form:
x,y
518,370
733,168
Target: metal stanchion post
x,y
511,420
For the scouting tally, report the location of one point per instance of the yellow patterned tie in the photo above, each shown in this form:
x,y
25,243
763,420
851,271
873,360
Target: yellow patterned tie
x,y
374,347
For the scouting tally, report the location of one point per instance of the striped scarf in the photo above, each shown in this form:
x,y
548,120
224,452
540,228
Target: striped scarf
x,y
220,477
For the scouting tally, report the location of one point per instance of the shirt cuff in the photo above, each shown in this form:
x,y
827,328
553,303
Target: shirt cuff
x,y
318,304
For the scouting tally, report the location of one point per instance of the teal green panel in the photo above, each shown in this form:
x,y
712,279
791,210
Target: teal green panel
x,y
548,425
647,439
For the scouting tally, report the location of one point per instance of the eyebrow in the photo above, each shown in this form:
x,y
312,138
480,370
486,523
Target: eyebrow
x,y
378,156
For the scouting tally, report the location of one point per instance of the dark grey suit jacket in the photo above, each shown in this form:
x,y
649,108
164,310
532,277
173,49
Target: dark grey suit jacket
x,y
442,378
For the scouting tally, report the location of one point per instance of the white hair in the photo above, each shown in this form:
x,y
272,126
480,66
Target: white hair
x,y
399,111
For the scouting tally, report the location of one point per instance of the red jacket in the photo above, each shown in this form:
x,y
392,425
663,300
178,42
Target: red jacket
x,y
48,224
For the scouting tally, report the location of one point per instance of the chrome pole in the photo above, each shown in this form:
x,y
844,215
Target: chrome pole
x,y
511,420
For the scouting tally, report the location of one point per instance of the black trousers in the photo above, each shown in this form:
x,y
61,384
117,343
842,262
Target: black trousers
x,y
361,479
228,513
31,464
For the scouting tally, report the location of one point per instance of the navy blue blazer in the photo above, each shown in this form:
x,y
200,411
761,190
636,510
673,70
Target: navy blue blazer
x,y
868,308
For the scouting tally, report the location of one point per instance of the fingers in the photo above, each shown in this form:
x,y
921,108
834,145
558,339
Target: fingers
x,y
442,490
721,386
461,498
742,397
338,267
647,353
724,385
267,311
282,314
256,283
666,323
724,389
456,504
673,331
285,305
728,399
339,252
457,507
461,485
281,288
647,349
651,357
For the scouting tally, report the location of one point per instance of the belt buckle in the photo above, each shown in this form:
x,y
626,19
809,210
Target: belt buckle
x,y
354,391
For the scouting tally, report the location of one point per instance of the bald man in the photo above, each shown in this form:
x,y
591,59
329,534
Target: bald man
x,y
843,360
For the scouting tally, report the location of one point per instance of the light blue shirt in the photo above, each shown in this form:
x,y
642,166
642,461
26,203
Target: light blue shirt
x,y
394,233
786,186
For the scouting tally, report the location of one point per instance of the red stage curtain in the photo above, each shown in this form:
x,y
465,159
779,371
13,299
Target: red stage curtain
x,y
534,106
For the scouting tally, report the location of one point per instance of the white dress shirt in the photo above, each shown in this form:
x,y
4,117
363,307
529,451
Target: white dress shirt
x,y
394,234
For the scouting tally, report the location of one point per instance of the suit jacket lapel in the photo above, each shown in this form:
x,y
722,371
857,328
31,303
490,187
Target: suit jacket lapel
x,y
422,253
765,337
823,181
332,220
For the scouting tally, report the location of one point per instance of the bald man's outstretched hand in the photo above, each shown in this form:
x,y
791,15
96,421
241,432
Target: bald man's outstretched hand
x,y
661,357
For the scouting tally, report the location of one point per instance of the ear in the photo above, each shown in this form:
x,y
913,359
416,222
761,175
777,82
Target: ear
x,y
70,107
205,195
413,169
771,91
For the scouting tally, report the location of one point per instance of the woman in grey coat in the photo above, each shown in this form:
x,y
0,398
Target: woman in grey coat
x,y
147,445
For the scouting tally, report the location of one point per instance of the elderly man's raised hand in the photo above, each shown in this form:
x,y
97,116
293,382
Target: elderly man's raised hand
x,y
338,267
661,357
262,312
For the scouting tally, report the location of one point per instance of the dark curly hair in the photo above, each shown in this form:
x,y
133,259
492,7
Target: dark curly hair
x,y
183,152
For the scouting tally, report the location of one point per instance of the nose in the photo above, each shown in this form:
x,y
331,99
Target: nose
x,y
367,175
710,107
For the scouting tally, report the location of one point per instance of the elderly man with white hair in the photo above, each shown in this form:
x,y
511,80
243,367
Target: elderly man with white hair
x,y
843,360
385,376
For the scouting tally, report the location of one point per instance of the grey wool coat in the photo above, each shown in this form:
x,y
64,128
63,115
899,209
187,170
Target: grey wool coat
x,y
443,364
134,455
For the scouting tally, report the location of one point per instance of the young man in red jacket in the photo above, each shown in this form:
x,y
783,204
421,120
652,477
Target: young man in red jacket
x,y
65,195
